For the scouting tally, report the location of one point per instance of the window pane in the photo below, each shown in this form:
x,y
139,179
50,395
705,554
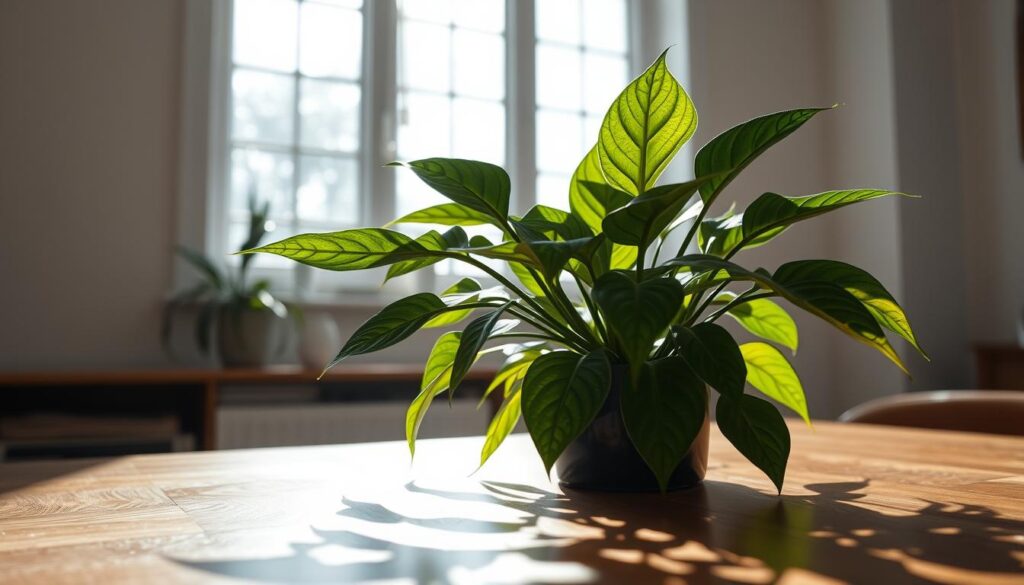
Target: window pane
x,y
413,194
558,77
439,11
265,175
425,57
330,115
559,141
591,127
553,190
339,3
559,20
484,15
332,41
604,24
264,33
478,130
603,80
262,106
479,64
425,126
327,191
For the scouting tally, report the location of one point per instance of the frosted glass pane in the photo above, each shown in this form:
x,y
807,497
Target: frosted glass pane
x,y
558,20
332,41
425,126
428,10
603,80
553,190
413,194
478,130
267,175
558,77
425,57
591,128
264,33
327,191
484,15
604,24
340,3
263,109
559,141
330,115
479,64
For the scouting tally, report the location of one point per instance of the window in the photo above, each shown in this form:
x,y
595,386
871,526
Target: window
x,y
316,95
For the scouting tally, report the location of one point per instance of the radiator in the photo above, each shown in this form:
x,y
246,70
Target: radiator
x,y
240,427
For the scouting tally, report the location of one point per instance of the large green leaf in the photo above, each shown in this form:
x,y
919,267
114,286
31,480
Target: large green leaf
x,y
350,249
502,424
394,323
432,240
592,199
562,393
731,151
663,413
478,185
861,285
822,298
645,126
646,216
446,214
552,224
764,318
513,370
474,337
637,314
757,431
712,354
769,372
436,377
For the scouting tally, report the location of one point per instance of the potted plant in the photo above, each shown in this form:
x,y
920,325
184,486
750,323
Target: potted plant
x,y
619,339
248,322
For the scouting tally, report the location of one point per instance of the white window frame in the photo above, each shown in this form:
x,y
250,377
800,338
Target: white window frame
x,y
204,166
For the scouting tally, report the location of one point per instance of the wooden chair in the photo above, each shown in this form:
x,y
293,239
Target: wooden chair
x,y
999,412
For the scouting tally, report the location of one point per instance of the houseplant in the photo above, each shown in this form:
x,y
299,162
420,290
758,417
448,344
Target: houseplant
x,y
616,333
247,321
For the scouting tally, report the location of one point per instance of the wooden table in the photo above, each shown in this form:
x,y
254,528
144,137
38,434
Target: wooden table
x,y
861,504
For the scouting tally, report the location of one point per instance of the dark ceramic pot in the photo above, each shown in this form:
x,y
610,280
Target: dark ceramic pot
x,y
604,459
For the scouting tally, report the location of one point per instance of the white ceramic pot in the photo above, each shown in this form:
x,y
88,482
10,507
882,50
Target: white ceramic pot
x,y
250,338
320,340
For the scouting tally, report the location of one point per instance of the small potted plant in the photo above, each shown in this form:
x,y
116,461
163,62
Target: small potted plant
x,y
619,340
249,323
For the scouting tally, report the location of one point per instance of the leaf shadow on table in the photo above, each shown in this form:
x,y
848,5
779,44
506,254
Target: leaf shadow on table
x,y
718,532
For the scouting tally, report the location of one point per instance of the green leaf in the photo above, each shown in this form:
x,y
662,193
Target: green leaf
x,y
432,240
864,287
350,249
769,372
646,216
514,369
592,199
477,185
553,224
462,292
637,314
712,354
474,337
731,151
562,393
663,413
519,252
204,266
526,277
446,214
392,324
645,126
757,431
822,298
766,319
502,424
436,377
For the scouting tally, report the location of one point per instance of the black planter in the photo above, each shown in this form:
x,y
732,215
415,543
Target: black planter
x,y
603,458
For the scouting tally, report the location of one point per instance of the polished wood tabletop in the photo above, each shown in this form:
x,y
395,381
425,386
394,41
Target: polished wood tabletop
x,y
861,504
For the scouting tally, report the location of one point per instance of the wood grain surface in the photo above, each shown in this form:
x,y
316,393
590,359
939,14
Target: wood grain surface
x,y
861,504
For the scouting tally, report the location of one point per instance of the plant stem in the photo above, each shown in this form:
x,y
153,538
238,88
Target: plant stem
x,y
602,333
693,316
743,298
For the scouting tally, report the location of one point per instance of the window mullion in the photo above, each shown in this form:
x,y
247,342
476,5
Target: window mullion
x,y
521,114
378,197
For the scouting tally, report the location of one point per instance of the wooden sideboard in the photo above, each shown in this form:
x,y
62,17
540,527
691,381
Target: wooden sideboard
x,y
192,394
999,366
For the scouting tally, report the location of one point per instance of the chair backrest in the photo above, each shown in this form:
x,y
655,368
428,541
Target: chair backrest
x,y
980,411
